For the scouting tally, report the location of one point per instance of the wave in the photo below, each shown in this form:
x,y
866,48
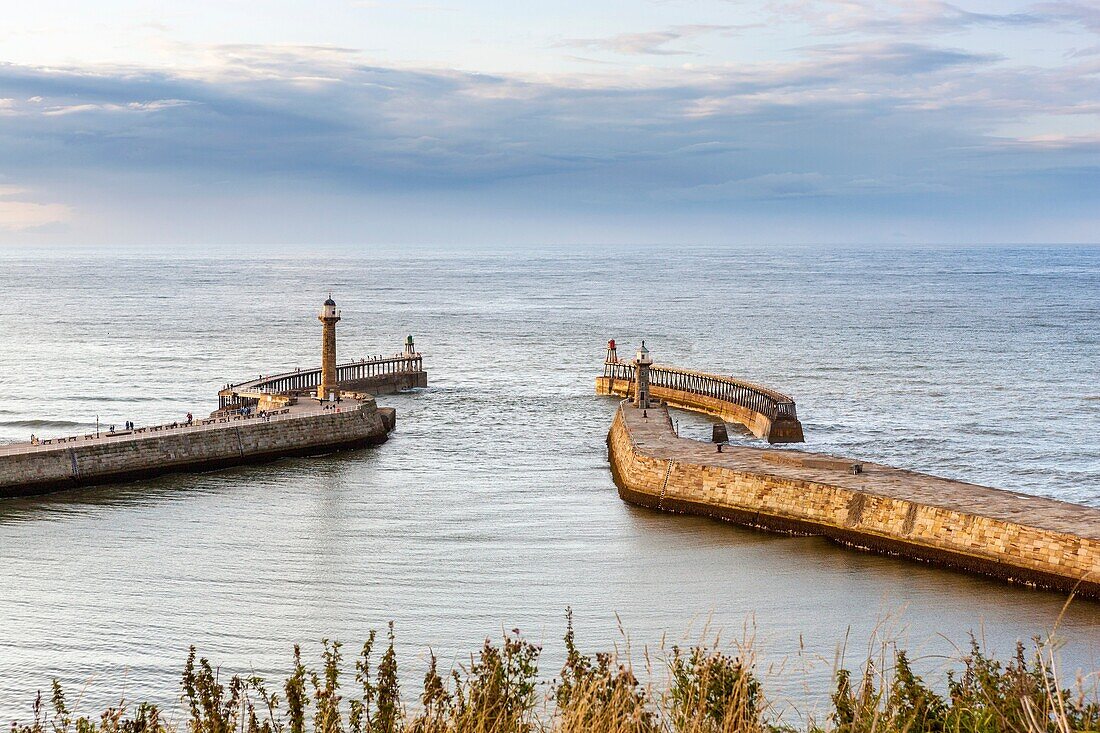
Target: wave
x,y
108,398
42,424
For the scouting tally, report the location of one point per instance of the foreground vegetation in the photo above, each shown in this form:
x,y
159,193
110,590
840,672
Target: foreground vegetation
x,y
704,689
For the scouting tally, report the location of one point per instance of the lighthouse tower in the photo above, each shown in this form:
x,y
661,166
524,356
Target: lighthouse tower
x,y
327,389
642,362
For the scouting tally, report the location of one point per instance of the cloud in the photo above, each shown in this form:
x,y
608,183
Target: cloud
x,y
791,185
903,17
251,113
1086,15
883,126
18,215
1082,144
892,58
403,5
768,186
151,106
654,43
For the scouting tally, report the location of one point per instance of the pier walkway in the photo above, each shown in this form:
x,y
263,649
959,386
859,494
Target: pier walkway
x,y
293,412
374,375
1005,534
216,442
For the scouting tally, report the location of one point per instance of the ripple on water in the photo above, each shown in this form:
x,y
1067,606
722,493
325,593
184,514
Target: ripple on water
x,y
491,506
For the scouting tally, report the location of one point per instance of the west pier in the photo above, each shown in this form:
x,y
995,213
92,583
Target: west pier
x,y
203,445
1004,534
304,412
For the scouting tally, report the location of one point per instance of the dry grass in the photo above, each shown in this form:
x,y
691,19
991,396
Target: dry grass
x,y
702,689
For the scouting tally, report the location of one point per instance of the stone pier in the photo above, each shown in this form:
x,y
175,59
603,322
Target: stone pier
x,y
1004,534
308,412
56,464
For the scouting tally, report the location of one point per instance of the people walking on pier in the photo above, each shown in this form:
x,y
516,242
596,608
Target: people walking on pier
x,y
190,419
34,439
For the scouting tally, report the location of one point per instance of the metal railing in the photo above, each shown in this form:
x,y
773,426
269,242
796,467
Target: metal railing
x,y
302,380
213,423
755,397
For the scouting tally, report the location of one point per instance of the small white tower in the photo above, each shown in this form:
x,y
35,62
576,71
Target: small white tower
x,y
642,362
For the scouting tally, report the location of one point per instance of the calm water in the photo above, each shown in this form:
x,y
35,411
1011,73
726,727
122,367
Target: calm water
x,y
492,506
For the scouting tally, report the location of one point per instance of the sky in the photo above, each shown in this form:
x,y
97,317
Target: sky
x,y
361,123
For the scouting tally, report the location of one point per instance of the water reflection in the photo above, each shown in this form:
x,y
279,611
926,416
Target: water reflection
x,y
491,506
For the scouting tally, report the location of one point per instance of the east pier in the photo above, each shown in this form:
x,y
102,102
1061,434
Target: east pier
x,y
1003,534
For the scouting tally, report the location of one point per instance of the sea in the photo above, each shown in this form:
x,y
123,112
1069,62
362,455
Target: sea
x,y
491,508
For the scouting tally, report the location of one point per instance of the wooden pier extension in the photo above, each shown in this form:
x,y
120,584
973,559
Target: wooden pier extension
x,y
1004,534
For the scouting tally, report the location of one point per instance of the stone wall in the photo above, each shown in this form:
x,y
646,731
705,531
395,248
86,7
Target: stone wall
x,y
386,383
188,449
1006,549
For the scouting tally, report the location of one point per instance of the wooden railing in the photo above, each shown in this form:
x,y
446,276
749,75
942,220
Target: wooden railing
x,y
768,402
